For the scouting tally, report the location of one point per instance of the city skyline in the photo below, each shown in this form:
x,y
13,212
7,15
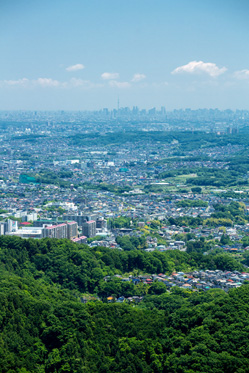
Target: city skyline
x,y
86,56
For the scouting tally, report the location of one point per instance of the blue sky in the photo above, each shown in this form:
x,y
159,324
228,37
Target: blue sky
x,y
80,55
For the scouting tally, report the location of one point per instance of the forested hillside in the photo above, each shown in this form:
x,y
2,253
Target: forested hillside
x,y
45,327
81,269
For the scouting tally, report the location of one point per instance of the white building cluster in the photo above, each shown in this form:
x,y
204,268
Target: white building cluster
x,y
64,230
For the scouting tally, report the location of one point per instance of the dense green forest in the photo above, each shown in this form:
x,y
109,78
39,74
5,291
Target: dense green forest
x,y
45,327
45,330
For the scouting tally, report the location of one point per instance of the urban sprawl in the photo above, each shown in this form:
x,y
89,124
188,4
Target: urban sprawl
x,y
131,179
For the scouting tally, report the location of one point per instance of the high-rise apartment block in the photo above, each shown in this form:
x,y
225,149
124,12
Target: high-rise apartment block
x,y
65,230
89,228
72,229
56,231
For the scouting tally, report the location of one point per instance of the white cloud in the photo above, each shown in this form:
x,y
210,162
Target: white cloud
x,y
50,83
114,83
79,82
242,74
18,82
196,67
46,82
83,83
76,67
138,77
24,82
110,76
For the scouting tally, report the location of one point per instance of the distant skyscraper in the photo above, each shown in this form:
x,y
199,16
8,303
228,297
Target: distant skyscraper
x,y
152,111
135,110
163,110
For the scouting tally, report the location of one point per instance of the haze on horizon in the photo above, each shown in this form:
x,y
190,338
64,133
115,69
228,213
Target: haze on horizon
x,y
83,55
